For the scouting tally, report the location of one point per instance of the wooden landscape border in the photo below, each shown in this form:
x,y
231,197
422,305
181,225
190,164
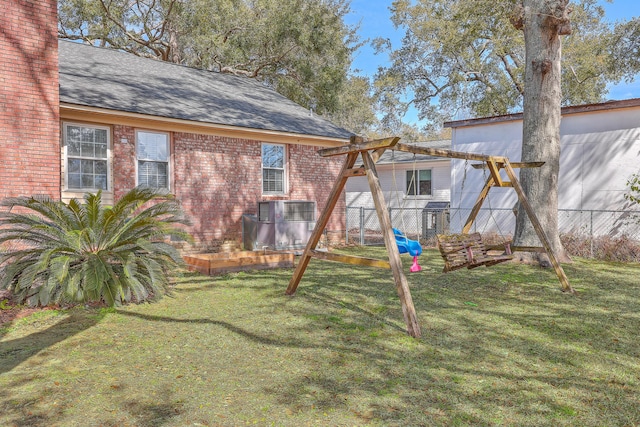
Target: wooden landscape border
x,y
228,262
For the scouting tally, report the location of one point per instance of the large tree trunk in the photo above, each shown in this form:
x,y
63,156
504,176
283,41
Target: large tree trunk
x,y
543,22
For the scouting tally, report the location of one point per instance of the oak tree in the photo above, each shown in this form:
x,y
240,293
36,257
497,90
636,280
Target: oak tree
x,y
461,58
301,48
542,22
491,57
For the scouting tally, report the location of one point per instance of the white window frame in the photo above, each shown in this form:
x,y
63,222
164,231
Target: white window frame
x,y
283,168
416,182
65,156
142,159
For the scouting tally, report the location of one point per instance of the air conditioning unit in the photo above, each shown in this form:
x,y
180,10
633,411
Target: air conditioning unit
x,y
279,225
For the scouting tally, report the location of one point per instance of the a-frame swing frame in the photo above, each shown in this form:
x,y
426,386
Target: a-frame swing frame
x,y
371,152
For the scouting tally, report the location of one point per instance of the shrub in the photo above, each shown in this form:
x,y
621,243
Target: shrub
x,y
621,248
56,252
633,183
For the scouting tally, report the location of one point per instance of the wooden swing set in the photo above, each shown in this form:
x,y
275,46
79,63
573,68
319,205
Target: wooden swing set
x,y
463,250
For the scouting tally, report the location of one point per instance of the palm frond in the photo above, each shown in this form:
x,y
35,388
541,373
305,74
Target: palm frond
x,y
74,252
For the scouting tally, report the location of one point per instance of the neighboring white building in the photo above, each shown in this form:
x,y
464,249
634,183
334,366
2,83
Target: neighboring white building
x,y
600,151
408,182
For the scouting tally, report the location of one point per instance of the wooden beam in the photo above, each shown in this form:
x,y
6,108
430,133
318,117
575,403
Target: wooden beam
x,y
355,172
476,207
436,152
566,287
334,196
494,170
377,154
402,286
515,165
360,146
349,259
517,248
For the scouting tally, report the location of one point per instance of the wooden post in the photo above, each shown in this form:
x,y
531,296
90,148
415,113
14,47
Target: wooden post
x,y
494,170
566,287
476,208
402,286
322,222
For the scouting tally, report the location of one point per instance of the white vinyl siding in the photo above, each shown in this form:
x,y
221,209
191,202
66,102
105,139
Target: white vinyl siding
x,y
395,188
600,150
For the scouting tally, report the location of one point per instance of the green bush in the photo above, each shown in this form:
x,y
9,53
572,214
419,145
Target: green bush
x,y
56,252
633,184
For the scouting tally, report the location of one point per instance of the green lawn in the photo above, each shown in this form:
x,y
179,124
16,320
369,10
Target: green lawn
x,y
499,346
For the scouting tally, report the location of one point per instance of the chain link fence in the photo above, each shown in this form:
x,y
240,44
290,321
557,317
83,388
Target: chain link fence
x,y
599,234
363,226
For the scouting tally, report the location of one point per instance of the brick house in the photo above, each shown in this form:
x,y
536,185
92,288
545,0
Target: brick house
x,y
76,118
29,103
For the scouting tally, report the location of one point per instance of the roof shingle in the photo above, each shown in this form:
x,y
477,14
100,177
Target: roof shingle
x,y
115,80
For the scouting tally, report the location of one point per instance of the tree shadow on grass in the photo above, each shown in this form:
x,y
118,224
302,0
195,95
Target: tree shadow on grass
x,y
297,343
323,299
163,409
159,412
14,352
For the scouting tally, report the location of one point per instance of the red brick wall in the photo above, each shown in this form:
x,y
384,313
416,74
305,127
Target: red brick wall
x,y
124,160
312,177
29,103
218,179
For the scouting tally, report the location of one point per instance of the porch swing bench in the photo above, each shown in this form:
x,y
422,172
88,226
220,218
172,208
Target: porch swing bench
x,y
466,250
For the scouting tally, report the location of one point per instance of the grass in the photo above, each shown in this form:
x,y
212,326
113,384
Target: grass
x,y
499,346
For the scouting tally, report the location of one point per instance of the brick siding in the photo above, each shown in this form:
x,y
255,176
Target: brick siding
x,y
218,179
29,102
124,160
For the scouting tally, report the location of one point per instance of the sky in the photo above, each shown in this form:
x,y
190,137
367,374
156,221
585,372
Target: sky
x,y
373,16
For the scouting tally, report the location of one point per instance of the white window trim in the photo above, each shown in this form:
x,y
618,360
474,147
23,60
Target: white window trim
x,y
285,171
65,158
406,187
136,159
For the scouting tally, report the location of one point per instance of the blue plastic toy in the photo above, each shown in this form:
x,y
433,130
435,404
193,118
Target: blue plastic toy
x,y
412,247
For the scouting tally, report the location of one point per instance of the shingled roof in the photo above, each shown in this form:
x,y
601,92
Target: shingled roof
x,y
115,80
398,157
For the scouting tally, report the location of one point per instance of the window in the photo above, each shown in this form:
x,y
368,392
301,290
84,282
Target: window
x,y
152,152
420,180
263,211
273,162
86,151
299,211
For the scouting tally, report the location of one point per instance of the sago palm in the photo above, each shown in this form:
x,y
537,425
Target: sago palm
x,y
56,252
